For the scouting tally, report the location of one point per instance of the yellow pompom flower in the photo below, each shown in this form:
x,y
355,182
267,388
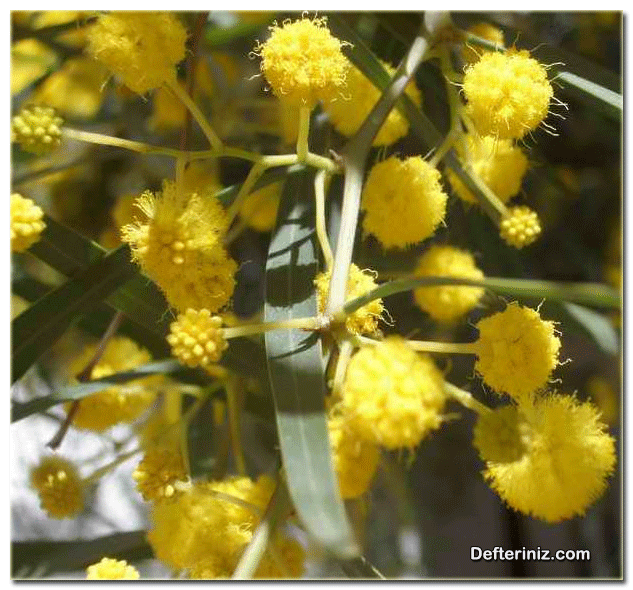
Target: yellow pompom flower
x,y
259,208
500,164
403,201
118,403
37,129
521,227
180,247
566,460
516,351
508,94
26,223
59,487
448,303
392,395
158,472
303,62
486,31
111,569
203,531
348,113
196,338
141,48
355,459
360,282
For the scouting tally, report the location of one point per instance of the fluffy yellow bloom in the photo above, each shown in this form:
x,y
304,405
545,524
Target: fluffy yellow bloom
x,y
196,338
203,531
141,48
360,282
508,94
75,90
180,247
486,31
403,201
348,113
355,459
448,303
303,62
516,351
59,487
111,569
500,164
521,227
259,208
30,60
392,395
36,129
119,403
157,473
567,458
26,223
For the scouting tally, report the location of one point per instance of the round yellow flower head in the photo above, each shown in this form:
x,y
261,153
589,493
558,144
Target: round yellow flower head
x,y
486,31
355,459
140,48
360,282
403,201
447,303
158,472
180,247
37,129
392,395
521,227
59,487
500,164
516,351
111,569
259,208
508,94
348,113
196,338
203,531
500,435
118,403
26,223
567,459
303,62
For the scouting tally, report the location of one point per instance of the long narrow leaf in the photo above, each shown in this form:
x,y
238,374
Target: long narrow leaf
x,y
611,103
38,328
295,366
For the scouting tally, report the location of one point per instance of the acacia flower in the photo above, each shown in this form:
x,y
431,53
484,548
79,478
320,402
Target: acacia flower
x,y
520,227
59,486
37,129
111,569
196,338
26,223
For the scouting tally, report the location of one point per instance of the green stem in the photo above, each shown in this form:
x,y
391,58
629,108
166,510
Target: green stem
x,y
466,399
593,294
250,329
304,131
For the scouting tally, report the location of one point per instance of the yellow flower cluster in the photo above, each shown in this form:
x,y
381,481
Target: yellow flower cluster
x,y
558,460
521,227
403,201
59,487
37,129
259,208
26,223
111,569
180,247
360,282
205,530
499,163
392,395
516,351
303,62
118,403
448,303
348,113
355,459
158,471
140,48
508,94
196,338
